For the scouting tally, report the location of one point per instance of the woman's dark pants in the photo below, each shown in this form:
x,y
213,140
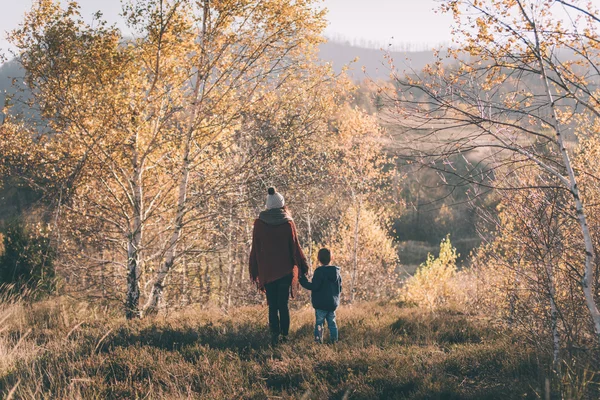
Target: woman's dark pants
x,y
278,294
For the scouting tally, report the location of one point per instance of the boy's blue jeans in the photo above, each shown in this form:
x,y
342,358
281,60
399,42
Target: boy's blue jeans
x,y
321,316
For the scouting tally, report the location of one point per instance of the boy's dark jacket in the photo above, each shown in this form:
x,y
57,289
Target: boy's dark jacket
x,y
326,287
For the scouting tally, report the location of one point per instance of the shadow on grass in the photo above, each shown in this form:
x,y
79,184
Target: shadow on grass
x,y
447,330
239,338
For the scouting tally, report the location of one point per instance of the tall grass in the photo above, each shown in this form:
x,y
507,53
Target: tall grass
x,y
72,350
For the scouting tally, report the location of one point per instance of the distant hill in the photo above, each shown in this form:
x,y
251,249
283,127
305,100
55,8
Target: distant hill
x,y
8,71
372,60
338,53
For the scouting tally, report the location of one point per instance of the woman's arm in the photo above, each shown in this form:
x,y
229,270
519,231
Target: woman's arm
x,y
297,254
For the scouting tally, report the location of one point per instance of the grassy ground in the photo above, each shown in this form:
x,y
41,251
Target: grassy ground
x,y
67,350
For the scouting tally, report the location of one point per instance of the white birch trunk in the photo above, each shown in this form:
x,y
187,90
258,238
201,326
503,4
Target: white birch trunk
x,y
200,281
553,319
232,283
184,283
134,241
207,282
588,277
246,244
156,293
230,261
355,255
309,233
220,294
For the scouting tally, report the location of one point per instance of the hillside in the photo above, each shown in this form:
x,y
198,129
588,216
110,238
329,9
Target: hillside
x,y
67,350
372,60
339,54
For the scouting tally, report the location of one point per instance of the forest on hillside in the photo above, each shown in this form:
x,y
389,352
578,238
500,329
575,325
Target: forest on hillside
x,y
132,170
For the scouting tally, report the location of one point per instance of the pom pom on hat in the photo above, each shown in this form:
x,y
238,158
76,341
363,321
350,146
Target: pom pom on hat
x,y
274,199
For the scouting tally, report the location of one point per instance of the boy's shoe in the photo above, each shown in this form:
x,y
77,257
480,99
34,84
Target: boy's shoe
x,y
283,339
319,334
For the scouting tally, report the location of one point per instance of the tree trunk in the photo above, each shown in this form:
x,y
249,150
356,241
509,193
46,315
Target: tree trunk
x,y
103,272
355,254
247,243
230,261
309,234
134,241
200,281
512,297
133,287
220,294
207,282
587,281
232,283
553,319
184,283
157,286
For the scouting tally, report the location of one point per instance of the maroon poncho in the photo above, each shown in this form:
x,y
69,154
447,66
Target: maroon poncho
x,y
275,250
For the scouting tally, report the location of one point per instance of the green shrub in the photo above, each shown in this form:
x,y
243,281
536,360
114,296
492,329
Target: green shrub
x,y
432,285
26,262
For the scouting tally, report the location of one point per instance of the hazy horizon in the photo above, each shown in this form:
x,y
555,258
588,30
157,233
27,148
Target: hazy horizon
x,y
407,25
404,23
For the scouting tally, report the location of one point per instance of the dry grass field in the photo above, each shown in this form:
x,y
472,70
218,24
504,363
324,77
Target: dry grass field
x,y
62,349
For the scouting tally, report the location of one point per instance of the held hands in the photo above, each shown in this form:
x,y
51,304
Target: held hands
x,y
304,282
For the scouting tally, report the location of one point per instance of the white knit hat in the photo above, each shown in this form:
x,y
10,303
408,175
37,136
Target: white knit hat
x,y
274,199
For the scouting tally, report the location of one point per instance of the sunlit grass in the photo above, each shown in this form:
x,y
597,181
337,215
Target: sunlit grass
x,y
65,349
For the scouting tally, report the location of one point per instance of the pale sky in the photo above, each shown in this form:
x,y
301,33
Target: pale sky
x,y
406,21
377,21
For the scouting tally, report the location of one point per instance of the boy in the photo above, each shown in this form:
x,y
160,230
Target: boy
x,y
326,287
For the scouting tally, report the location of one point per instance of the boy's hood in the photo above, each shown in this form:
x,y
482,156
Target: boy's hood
x,y
332,272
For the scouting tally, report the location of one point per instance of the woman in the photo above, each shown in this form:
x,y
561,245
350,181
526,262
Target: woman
x,y
275,259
